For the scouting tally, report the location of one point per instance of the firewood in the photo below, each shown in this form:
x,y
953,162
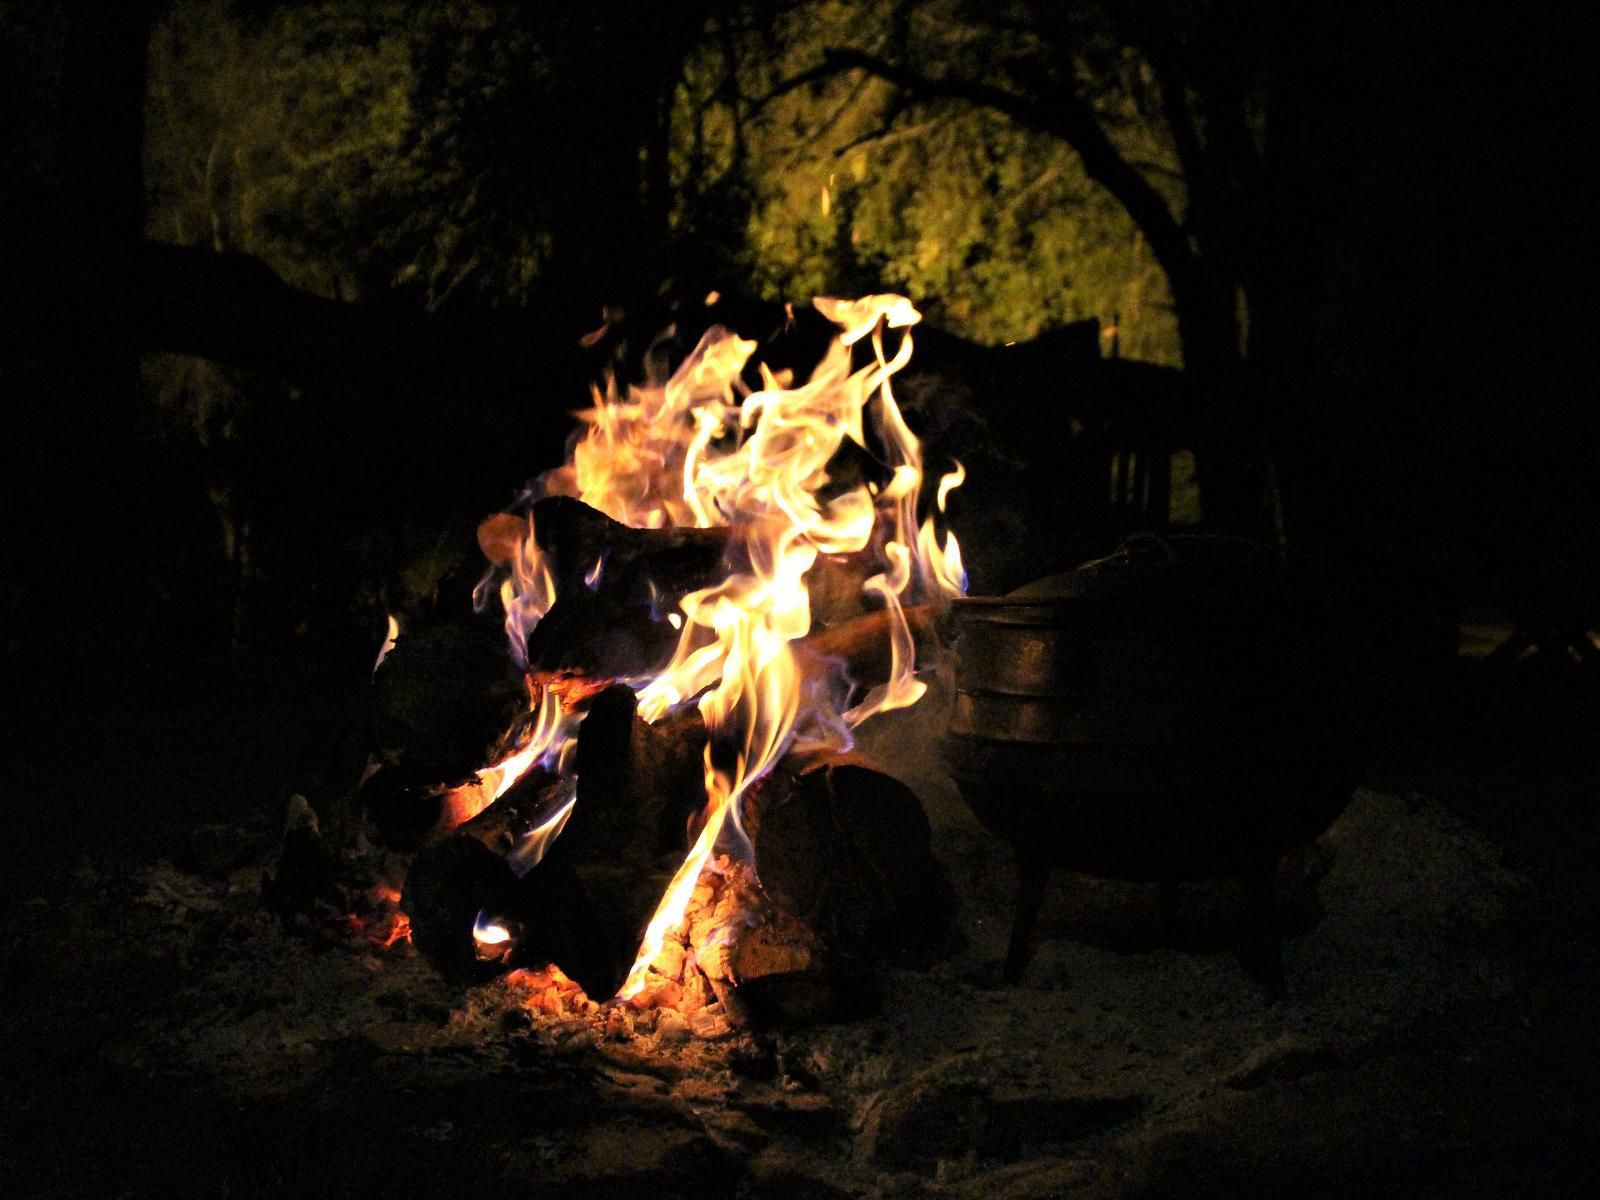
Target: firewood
x,y
593,634
846,849
403,806
444,698
862,643
585,904
639,785
448,886
583,547
472,872
588,637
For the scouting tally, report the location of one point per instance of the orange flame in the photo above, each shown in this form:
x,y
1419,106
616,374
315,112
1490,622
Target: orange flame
x,y
391,635
692,453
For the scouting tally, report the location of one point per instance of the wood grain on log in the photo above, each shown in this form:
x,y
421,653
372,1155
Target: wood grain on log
x,y
846,849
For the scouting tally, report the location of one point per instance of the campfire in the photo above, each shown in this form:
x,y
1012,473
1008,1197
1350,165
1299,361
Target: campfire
x,y
730,573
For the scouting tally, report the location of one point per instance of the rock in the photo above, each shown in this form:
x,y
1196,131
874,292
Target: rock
x,y
973,1106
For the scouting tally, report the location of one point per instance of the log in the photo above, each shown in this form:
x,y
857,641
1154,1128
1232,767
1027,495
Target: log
x,y
471,872
586,638
639,785
846,849
595,635
863,645
639,788
403,807
585,904
444,699
574,537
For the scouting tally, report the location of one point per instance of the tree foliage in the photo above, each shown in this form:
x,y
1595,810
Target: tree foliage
x,y
847,182
333,141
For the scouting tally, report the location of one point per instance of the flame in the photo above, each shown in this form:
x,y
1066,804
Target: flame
x,y
708,450
531,846
389,640
399,924
489,933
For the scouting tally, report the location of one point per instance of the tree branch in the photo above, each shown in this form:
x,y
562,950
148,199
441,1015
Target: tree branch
x,y
1066,116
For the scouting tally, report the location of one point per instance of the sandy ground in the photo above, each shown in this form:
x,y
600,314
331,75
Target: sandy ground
x,y
165,1036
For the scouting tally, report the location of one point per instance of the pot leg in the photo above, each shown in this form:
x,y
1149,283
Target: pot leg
x,y
1260,947
1032,874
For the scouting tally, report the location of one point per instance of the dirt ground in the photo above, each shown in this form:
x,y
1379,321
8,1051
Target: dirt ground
x,y
163,1035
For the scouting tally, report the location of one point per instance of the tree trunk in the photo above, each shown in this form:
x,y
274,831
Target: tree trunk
x,y
1230,454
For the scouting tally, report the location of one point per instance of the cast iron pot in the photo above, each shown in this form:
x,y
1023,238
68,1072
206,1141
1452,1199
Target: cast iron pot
x,y
1186,708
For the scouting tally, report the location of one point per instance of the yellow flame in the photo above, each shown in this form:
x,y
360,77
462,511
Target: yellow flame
x,y
389,640
705,450
531,846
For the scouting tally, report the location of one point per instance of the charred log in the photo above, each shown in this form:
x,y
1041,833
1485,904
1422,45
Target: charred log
x,y
595,635
444,699
639,787
403,807
472,880
846,849
863,643
585,904
586,548
639,784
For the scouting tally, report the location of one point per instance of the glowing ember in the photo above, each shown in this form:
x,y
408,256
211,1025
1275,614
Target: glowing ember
x,y
705,450
395,925
548,990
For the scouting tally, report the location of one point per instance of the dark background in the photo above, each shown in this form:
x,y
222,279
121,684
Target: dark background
x,y
1417,375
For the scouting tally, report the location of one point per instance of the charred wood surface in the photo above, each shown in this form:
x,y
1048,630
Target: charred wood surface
x,y
465,873
846,849
863,643
444,698
585,904
639,784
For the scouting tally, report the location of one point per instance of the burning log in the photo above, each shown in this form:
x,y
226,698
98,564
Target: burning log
x,y
597,636
615,587
585,642
468,875
443,699
584,904
639,785
846,849
639,788
587,549
863,643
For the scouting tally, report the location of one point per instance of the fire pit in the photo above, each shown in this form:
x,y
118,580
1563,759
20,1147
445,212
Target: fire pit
x,y
634,767
1176,711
